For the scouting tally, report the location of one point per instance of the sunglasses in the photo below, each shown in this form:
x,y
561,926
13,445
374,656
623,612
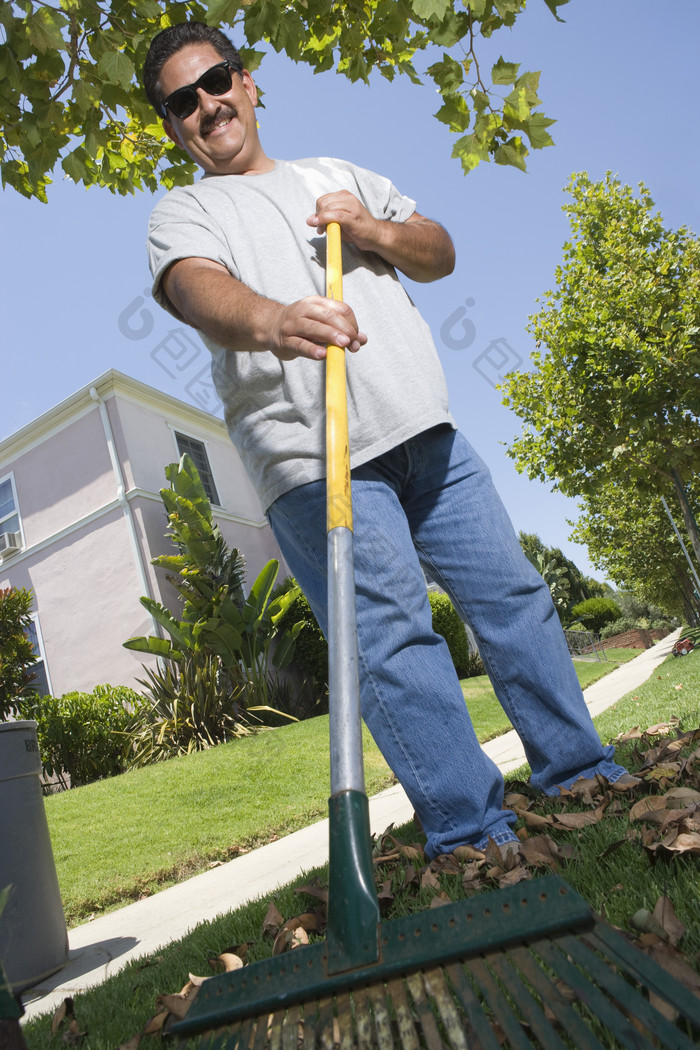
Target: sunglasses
x,y
216,80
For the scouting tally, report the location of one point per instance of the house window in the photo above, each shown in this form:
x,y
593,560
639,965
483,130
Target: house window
x,y
9,510
40,683
200,458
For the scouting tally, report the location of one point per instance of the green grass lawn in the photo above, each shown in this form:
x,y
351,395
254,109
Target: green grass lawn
x,y
125,837
608,867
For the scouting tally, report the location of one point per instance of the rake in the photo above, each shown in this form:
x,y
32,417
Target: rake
x,y
529,966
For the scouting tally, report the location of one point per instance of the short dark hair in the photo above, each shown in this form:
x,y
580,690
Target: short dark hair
x,y
169,41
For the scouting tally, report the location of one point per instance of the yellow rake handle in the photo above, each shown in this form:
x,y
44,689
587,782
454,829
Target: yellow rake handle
x,y
338,502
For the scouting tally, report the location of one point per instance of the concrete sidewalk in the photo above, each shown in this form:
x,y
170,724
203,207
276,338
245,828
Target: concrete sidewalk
x,y
100,948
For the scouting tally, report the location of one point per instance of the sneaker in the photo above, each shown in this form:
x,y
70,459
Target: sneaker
x,y
626,782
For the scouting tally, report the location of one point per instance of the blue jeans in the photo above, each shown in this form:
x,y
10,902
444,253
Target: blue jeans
x,y
431,503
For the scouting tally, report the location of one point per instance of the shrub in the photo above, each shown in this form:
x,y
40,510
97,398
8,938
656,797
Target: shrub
x,y
16,652
619,626
311,651
192,706
83,735
596,612
447,622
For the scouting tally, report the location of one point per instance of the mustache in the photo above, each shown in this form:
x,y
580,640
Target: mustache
x,y
209,122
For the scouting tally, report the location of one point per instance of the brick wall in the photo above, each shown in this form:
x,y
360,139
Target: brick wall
x,y
636,639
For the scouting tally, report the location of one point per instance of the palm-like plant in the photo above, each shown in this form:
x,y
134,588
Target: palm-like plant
x,y
224,636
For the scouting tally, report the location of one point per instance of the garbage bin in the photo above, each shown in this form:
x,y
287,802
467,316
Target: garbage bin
x,y
33,937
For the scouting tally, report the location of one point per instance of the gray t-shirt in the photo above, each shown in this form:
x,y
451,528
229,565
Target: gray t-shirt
x,y
255,226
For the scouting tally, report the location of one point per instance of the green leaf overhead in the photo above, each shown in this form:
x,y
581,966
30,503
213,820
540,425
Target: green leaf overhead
x,y
72,105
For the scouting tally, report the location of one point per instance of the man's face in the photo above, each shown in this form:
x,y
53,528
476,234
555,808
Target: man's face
x,y
221,135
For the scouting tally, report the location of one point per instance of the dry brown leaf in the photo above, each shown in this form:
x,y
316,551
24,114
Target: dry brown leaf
x,y
631,734
73,1035
579,820
516,800
662,727
442,898
385,896
196,981
540,851
685,843
535,820
472,872
446,864
175,1004
65,1009
272,921
646,805
665,915
584,789
429,880
674,963
228,961
299,938
155,1023
314,889
685,795
515,875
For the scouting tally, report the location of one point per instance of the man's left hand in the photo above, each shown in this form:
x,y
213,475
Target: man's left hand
x,y
356,224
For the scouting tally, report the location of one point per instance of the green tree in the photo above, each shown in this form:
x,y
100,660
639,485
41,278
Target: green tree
x,y
614,397
630,538
16,651
71,93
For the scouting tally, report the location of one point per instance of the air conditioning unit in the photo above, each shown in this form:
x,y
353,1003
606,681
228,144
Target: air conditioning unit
x,y
10,542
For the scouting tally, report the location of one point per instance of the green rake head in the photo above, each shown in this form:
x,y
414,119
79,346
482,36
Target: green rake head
x,y
520,968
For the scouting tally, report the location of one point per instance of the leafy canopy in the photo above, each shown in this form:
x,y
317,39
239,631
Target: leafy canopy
x,y
615,396
70,73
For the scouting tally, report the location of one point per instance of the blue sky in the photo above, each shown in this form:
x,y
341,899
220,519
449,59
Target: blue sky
x,y
619,77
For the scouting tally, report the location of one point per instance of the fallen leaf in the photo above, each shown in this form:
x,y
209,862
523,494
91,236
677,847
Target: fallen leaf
x,y
429,880
579,820
442,898
540,851
228,961
674,963
314,889
665,915
272,921
175,1004
646,805
65,1009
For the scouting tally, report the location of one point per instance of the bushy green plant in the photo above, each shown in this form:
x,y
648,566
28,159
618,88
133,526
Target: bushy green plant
x,y
311,650
447,622
238,633
82,736
595,613
192,706
619,626
474,667
16,652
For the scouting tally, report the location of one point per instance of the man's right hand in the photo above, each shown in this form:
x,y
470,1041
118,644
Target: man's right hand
x,y
307,327
210,299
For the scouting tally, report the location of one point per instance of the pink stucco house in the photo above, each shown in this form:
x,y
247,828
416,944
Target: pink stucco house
x,y
81,517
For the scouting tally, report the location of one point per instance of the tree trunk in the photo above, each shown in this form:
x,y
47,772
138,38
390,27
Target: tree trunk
x,y
686,510
690,602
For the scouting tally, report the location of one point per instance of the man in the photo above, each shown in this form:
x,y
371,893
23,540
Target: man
x,y
240,256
